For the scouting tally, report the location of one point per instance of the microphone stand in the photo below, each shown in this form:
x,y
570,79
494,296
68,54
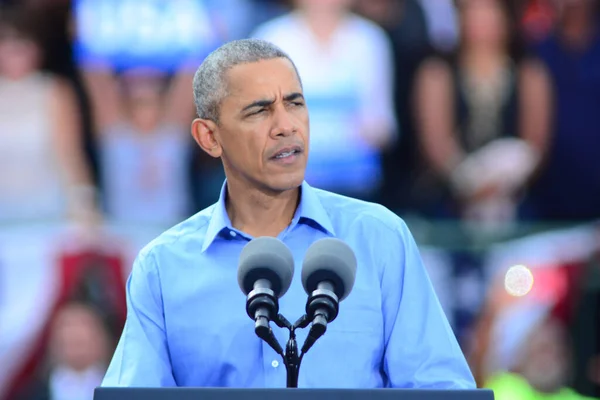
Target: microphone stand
x,y
291,358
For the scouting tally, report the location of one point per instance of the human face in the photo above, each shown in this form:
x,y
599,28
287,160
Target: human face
x,y
484,23
262,135
19,56
78,339
144,101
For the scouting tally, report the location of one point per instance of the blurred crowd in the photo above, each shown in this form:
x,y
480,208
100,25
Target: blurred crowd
x,y
472,118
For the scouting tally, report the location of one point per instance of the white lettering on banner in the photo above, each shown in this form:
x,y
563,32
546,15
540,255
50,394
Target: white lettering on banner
x,y
144,27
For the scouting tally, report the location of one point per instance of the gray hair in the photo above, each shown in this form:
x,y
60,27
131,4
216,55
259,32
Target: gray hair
x,y
210,83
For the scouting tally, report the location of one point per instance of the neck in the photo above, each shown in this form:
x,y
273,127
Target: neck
x,y
482,63
144,127
323,24
259,213
15,76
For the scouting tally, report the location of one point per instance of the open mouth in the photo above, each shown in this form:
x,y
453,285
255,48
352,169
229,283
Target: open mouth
x,y
288,152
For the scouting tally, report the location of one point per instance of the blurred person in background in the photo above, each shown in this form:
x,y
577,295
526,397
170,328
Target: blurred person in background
x,y
406,25
568,188
482,118
543,369
586,328
43,171
141,120
78,354
347,72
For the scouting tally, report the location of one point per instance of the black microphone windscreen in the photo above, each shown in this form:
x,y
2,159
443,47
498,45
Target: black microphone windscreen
x,y
266,258
329,259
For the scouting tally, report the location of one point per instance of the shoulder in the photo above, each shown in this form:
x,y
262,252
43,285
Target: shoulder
x,y
56,87
177,238
62,97
349,213
58,84
531,69
435,74
366,27
366,33
436,66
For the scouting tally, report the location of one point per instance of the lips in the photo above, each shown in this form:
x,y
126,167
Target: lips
x,y
286,152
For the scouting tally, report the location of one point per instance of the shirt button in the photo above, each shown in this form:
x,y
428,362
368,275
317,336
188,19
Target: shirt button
x,y
232,233
275,363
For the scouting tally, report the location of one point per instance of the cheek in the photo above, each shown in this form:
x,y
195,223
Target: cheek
x,y
302,121
484,24
245,147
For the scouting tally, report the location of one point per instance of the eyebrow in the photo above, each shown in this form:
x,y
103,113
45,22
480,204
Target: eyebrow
x,y
266,103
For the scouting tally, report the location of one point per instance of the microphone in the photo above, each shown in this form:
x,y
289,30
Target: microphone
x,y
328,274
265,272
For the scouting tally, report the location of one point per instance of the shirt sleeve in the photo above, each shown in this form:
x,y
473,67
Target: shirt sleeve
x,y
141,358
421,350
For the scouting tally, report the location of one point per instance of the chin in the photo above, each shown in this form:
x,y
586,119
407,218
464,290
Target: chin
x,y
286,182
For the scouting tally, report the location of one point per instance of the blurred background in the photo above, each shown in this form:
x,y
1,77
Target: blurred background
x,y
477,121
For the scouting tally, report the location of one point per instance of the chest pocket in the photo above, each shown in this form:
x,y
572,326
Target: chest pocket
x,y
352,346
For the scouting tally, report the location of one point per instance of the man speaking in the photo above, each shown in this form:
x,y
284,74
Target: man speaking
x,y
187,323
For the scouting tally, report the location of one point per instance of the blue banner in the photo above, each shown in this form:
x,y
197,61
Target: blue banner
x,y
151,33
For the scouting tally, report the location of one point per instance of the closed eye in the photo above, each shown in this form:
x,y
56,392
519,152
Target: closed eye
x,y
257,112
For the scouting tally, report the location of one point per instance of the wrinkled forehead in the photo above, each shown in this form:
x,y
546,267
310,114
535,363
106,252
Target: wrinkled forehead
x,y
262,79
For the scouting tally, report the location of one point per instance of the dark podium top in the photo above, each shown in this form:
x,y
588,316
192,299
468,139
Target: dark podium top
x,y
287,394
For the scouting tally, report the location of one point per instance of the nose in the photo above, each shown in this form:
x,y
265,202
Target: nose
x,y
283,123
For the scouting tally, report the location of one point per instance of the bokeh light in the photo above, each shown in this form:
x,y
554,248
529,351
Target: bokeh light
x,y
518,281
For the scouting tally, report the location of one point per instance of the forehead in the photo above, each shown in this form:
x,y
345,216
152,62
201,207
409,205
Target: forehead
x,y
265,78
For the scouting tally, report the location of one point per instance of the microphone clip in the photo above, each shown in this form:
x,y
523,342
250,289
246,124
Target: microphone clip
x,y
262,306
322,307
322,304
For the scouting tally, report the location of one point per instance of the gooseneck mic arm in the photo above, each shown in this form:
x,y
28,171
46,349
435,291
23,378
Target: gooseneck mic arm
x,y
291,358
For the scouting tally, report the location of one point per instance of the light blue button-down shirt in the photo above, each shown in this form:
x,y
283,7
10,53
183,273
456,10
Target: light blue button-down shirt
x,y
187,324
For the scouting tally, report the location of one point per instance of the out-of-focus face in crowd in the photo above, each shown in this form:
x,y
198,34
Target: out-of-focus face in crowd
x,y
484,24
546,359
19,53
143,91
78,338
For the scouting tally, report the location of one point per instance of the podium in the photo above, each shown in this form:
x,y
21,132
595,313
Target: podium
x,y
288,394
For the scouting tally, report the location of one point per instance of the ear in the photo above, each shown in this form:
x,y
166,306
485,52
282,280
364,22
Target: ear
x,y
203,131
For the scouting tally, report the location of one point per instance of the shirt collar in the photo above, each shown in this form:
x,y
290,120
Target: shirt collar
x,y
310,211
